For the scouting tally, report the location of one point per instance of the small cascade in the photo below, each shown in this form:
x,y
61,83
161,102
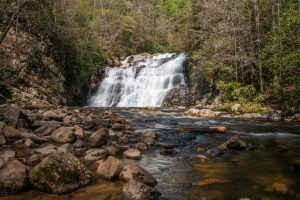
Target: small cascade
x,y
142,83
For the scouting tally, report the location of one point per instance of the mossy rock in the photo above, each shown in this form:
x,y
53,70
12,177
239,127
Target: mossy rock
x,y
60,172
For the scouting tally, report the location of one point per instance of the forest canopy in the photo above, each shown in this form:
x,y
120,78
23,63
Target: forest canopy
x,y
249,42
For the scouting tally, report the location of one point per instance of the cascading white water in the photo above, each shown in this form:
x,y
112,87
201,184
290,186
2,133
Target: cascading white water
x,y
144,84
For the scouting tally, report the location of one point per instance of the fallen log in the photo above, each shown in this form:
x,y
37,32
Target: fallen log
x,y
203,129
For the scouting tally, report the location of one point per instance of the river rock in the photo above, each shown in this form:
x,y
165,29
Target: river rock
x,y
121,127
78,144
141,146
29,143
63,135
202,113
113,150
134,190
79,132
99,137
95,154
11,133
33,137
214,152
47,128
149,137
13,177
67,147
60,172
234,142
123,140
132,154
134,171
51,115
110,168
178,96
46,149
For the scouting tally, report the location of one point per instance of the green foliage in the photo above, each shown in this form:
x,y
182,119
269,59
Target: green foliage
x,y
233,91
253,108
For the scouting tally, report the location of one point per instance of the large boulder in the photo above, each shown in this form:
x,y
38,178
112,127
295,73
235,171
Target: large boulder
x,y
60,172
110,168
63,135
13,177
134,171
135,190
99,137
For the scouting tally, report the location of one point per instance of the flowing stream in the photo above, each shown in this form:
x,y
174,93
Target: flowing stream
x,y
141,84
253,171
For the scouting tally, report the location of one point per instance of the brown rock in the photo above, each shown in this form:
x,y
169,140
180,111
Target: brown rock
x,y
60,172
134,171
135,190
99,137
63,135
11,133
95,154
79,132
141,146
13,177
132,154
110,168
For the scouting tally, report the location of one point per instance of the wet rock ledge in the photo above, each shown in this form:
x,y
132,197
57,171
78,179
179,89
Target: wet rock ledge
x,y
60,149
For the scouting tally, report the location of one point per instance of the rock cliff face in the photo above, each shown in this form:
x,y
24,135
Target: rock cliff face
x,y
29,75
178,96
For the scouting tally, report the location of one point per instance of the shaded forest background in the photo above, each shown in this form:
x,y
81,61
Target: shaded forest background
x,y
247,49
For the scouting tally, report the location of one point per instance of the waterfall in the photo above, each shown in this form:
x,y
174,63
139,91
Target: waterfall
x,y
140,84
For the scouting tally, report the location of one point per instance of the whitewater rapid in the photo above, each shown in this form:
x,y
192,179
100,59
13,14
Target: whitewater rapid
x,y
142,84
